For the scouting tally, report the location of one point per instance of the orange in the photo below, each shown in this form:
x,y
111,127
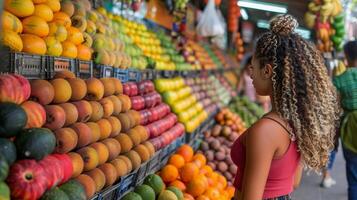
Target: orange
x,y
200,158
202,197
177,160
212,193
222,180
180,185
186,152
205,170
188,197
188,172
169,173
230,190
197,186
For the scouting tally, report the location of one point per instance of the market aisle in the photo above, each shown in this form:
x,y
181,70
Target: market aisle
x,y
310,188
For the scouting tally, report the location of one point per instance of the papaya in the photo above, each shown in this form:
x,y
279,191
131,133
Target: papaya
x,y
33,44
20,8
12,40
11,22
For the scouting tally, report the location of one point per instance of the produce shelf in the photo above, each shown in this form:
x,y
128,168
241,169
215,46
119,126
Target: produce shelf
x,y
121,74
29,65
110,193
55,64
134,75
126,183
84,68
153,163
101,71
141,174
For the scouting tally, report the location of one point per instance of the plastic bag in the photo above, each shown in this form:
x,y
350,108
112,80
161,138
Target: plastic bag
x,y
209,23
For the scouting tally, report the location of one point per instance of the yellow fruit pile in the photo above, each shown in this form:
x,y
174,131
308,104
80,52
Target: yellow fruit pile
x,y
189,173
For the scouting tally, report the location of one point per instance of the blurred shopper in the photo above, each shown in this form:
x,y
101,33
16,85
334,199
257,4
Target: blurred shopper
x,y
327,180
346,84
300,128
246,86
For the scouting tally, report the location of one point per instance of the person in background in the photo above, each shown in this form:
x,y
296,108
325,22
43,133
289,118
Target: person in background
x,y
300,128
246,87
346,85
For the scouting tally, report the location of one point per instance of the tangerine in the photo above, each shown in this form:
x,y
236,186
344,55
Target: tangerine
x,y
186,152
177,160
169,173
188,172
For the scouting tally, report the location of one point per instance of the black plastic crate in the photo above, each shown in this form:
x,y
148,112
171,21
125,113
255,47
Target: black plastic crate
x,y
56,64
30,66
165,154
101,71
110,193
153,165
148,74
121,74
84,68
179,142
167,73
195,144
127,183
134,75
141,174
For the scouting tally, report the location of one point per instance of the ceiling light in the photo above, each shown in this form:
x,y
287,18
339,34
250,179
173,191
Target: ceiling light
x,y
263,6
303,32
244,14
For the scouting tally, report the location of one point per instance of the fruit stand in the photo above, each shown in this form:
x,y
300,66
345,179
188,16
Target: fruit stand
x,y
93,104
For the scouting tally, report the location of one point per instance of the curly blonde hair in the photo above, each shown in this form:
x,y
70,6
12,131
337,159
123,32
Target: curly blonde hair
x,y
303,93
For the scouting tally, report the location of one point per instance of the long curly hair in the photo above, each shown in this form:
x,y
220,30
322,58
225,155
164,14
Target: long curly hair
x,y
303,93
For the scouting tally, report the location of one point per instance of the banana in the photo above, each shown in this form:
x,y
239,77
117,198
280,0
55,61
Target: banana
x,y
337,8
327,9
313,7
310,19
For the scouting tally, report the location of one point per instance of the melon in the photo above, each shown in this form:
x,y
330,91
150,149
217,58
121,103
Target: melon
x,y
74,190
54,194
12,40
69,50
20,8
11,22
35,25
177,192
155,182
58,31
4,191
132,196
167,195
54,5
43,11
145,191
54,47
33,44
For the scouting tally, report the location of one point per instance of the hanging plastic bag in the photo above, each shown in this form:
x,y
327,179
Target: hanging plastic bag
x,y
209,23
221,40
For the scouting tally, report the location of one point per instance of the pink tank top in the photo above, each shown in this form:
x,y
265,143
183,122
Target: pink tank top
x,y
282,170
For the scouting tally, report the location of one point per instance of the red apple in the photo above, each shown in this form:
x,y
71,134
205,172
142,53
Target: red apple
x,y
137,102
55,117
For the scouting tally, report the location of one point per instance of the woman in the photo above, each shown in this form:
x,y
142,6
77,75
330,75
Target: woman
x,y
300,128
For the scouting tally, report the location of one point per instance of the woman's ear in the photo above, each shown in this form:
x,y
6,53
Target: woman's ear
x,y
268,71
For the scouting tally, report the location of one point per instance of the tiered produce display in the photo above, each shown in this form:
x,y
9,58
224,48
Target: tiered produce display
x,y
185,176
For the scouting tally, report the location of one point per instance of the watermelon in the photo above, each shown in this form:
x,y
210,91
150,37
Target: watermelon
x,y
13,119
177,192
155,182
4,168
8,150
35,143
132,196
55,194
145,191
74,190
4,191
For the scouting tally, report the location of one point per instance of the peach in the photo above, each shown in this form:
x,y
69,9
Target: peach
x,y
110,173
116,126
42,91
55,117
108,106
71,113
117,104
99,178
84,133
109,87
105,128
88,184
94,127
63,90
102,150
95,89
97,111
90,157
120,166
125,102
66,140
64,74
78,87
113,146
77,163
118,86
84,109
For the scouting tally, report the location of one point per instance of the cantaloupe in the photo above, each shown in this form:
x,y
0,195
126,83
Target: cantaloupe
x,y
12,40
33,44
20,8
134,158
43,11
143,152
125,142
35,25
11,22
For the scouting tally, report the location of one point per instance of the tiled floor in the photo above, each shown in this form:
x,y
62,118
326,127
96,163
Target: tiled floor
x,y
310,189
